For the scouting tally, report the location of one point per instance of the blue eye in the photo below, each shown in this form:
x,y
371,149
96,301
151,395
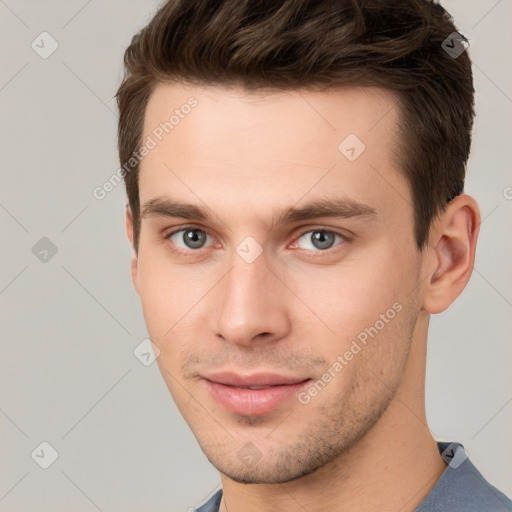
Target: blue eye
x,y
319,239
191,238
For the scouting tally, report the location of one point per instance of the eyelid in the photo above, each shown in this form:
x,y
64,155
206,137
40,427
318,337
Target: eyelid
x,y
177,229
345,234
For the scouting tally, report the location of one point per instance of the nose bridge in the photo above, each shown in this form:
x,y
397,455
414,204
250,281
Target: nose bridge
x,y
252,303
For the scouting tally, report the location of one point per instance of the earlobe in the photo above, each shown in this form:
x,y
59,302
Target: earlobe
x,y
133,270
452,250
129,234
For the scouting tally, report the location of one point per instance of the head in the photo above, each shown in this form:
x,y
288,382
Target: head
x,y
295,175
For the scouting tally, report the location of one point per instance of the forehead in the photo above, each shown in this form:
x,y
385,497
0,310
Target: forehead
x,y
328,114
257,150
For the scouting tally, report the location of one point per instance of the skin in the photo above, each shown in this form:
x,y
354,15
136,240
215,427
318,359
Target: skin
x,y
362,442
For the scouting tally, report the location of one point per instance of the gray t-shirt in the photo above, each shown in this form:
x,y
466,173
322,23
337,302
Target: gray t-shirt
x,y
461,488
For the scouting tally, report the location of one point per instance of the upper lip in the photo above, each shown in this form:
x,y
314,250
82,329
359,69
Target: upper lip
x,y
255,379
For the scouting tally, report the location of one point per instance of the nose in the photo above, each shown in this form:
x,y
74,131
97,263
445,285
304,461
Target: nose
x,y
252,305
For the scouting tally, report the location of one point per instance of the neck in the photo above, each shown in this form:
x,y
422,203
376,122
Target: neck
x,y
393,467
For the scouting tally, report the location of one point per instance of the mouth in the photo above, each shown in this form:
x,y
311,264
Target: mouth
x,y
253,395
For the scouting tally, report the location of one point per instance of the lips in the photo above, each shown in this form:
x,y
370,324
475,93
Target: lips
x,y
252,395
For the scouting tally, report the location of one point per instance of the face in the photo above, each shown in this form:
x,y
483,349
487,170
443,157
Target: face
x,y
277,270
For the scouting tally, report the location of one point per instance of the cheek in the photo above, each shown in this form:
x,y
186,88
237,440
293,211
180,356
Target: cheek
x,y
351,297
166,298
171,294
160,290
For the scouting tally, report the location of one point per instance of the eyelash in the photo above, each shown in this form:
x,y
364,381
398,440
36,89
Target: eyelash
x,y
188,252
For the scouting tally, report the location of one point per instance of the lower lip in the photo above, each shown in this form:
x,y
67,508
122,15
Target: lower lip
x,y
253,402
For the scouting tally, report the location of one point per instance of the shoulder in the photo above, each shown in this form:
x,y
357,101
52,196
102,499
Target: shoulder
x,y
462,488
212,505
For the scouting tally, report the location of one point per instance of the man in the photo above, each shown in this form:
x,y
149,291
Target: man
x,y
295,173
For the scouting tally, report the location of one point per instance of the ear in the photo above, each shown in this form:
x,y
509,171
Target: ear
x,y
129,234
450,254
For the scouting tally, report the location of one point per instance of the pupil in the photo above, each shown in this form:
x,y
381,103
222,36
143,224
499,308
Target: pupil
x,y
194,238
322,239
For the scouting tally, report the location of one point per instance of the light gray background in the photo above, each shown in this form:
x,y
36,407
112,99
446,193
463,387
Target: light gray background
x,y
69,325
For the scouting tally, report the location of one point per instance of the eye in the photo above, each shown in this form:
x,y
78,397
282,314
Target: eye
x,y
319,239
188,238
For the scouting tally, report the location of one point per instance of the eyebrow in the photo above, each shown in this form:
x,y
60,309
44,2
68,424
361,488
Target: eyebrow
x,y
334,207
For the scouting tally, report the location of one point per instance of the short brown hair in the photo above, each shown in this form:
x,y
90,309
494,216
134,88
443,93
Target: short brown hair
x,y
286,44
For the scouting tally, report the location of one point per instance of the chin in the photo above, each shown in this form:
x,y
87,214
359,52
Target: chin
x,y
281,469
